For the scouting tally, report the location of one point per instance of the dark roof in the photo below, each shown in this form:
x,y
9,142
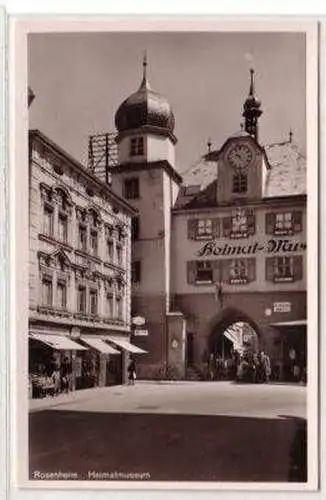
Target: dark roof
x,y
145,107
93,179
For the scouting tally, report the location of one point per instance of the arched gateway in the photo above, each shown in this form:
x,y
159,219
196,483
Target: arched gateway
x,y
230,330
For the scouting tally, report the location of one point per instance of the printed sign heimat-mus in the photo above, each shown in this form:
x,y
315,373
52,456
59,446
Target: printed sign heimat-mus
x,y
272,246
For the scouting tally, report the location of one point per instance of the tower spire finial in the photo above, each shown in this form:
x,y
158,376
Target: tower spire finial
x,y
252,86
145,82
290,135
145,65
251,110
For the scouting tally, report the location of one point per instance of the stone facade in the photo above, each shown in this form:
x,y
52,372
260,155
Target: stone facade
x,y
80,250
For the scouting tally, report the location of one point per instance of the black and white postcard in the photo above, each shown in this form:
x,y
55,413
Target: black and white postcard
x,y
164,243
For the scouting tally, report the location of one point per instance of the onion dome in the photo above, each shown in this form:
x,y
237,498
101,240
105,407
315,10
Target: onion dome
x,y
145,108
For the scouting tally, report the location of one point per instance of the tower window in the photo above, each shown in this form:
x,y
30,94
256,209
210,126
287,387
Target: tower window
x,y
240,183
131,188
137,146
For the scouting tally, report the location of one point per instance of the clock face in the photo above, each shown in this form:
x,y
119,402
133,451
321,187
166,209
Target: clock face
x,y
240,156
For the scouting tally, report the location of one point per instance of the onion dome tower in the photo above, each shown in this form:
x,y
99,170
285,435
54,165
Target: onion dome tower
x,y
251,110
146,121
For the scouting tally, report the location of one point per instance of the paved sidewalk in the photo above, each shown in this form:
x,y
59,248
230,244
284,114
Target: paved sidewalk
x,y
192,398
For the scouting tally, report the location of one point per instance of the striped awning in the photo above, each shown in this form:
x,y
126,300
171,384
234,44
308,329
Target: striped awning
x,y
99,345
58,342
125,345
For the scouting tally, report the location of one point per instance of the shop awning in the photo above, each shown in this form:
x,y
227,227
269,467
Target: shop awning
x,y
100,345
127,346
59,342
298,322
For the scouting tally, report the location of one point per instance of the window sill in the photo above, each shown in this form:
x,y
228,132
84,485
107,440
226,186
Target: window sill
x,y
54,311
204,282
207,237
289,279
239,281
52,239
283,232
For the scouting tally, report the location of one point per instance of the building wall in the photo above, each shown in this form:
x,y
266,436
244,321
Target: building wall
x,y
156,148
44,178
259,245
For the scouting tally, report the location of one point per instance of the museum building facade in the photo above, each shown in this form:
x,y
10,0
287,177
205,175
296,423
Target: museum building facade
x,y
224,245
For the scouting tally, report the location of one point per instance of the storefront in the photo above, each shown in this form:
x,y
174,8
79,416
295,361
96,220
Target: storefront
x,y
86,362
293,347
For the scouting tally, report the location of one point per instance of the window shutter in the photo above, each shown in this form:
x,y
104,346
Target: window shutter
x,y
269,263
270,223
216,228
225,270
297,221
192,225
251,222
217,271
227,226
251,269
297,268
191,272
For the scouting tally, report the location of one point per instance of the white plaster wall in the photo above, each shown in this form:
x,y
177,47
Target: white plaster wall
x,y
184,249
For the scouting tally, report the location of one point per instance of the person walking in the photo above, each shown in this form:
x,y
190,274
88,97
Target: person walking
x,y
131,372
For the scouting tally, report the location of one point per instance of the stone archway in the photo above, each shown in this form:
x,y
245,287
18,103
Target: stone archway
x,y
218,342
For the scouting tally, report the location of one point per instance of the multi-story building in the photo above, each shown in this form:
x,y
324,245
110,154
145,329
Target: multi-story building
x,y
80,254
224,246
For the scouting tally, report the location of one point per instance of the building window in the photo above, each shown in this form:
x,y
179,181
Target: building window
x,y
282,223
47,292
93,301
241,224
119,307
62,295
204,228
48,217
135,228
135,271
240,183
62,227
204,272
94,243
110,250
131,188
119,255
241,271
82,238
81,300
109,306
136,146
284,269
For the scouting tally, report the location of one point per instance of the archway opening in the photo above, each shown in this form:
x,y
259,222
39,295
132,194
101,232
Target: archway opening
x,y
239,337
234,340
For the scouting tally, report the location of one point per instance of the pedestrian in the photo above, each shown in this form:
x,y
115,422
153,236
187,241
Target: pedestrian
x,y
131,372
267,366
66,375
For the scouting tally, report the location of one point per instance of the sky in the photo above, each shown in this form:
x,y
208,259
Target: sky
x,y
80,79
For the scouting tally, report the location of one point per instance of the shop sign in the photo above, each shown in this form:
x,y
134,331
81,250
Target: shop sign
x,y
140,332
138,321
272,246
282,307
175,344
75,332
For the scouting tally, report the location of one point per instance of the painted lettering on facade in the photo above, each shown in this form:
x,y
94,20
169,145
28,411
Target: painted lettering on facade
x,y
272,246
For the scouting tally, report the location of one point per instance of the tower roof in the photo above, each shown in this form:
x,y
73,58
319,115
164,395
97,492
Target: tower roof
x,y
145,108
251,102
